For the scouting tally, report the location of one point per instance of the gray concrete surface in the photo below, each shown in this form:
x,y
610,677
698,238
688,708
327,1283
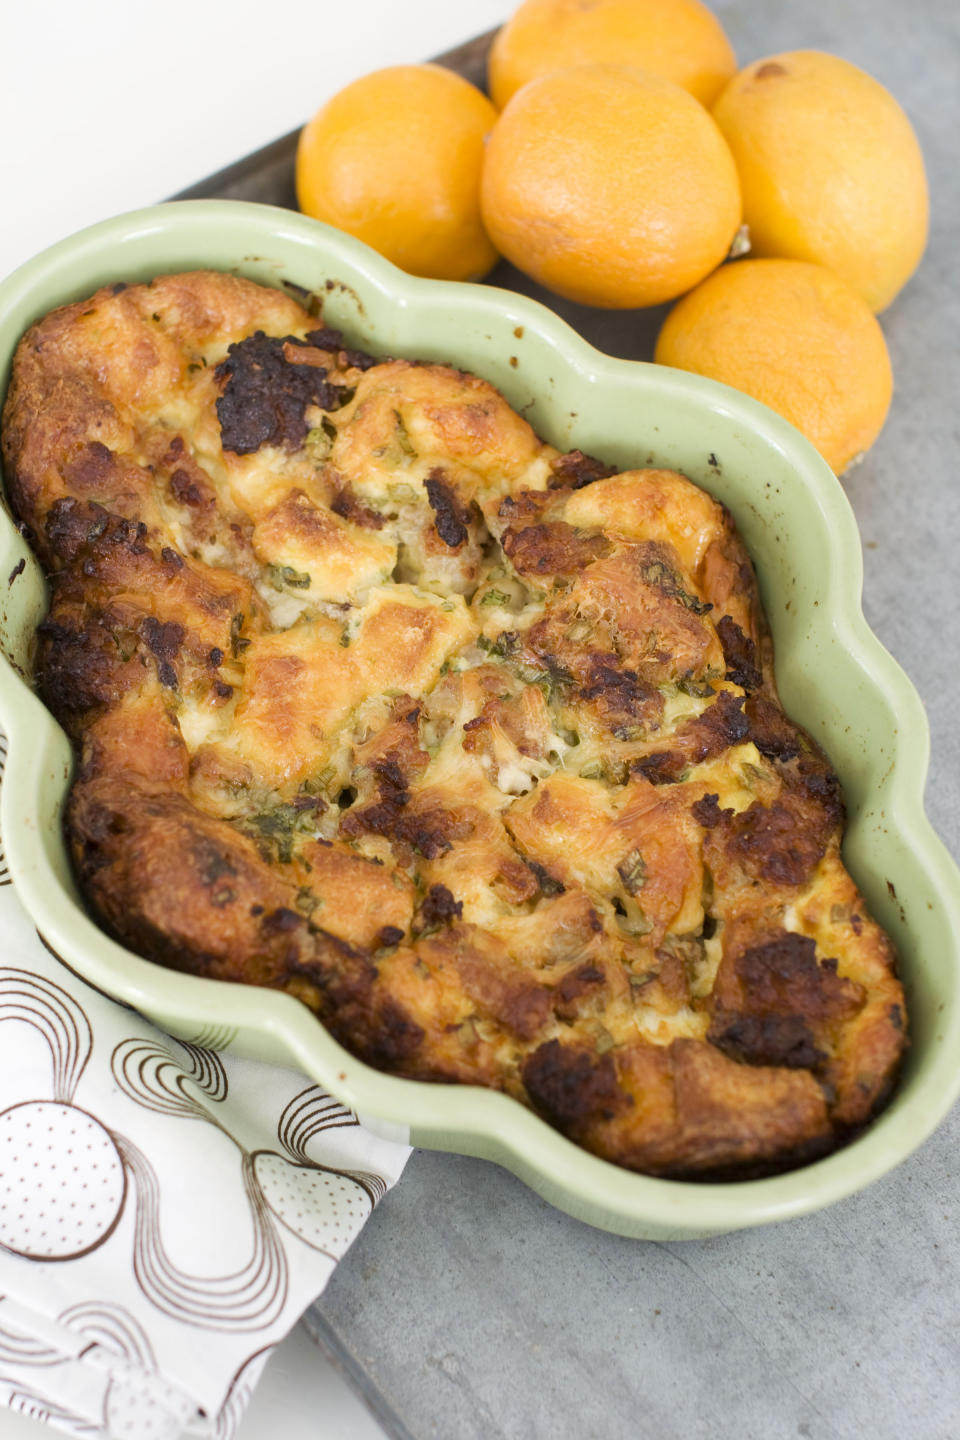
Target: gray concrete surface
x,y
469,1309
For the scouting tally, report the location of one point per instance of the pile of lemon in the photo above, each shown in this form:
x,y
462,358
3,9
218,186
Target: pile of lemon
x,y
624,161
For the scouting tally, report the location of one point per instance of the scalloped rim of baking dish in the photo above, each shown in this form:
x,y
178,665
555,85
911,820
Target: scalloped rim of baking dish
x,y
834,675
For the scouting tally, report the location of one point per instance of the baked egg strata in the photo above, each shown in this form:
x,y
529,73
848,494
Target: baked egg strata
x,y
471,745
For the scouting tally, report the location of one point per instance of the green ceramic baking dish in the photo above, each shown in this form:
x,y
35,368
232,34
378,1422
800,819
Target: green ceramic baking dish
x,y
834,675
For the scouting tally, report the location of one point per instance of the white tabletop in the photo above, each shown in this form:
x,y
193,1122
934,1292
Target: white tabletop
x,y
108,105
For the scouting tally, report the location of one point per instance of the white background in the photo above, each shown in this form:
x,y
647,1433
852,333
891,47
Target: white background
x,y
107,105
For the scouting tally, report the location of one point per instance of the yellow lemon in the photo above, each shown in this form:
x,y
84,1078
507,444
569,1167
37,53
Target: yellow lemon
x,y
610,186
830,167
797,337
678,39
395,159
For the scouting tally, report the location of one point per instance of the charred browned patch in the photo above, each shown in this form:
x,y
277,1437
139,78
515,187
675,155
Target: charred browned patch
x,y
438,908
382,817
577,985
329,339
164,640
522,1007
782,977
394,756
618,695
391,777
431,832
766,1040
769,69
451,516
707,812
282,921
577,470
125,830
91,468
718,727
326,338
782,843
396,1036
426,828
164,637
315,803
82,668
189,488
349,506
553,548
380,1031
525,505
99,825
771,998
265,396
704,737
818,789
740,653
572,1087
770,730
74,526
664,767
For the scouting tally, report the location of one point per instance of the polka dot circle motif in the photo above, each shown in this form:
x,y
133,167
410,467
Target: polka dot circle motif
x,y
324,1208
140,1406
62,1181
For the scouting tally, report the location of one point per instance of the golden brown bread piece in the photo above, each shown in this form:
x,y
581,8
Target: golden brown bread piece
x,y
473,746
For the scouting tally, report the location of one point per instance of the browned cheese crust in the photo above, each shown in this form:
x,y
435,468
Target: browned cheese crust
x,y
472,746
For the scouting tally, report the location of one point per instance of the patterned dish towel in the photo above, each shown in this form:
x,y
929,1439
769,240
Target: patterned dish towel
x,y
166,1213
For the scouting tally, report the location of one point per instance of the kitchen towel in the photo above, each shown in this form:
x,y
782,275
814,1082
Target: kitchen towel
x,y
166,1212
